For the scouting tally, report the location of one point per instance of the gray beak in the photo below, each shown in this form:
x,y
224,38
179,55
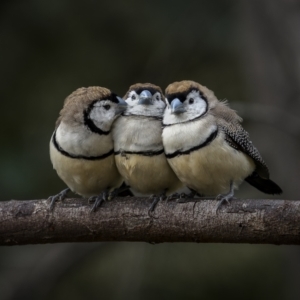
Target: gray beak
x,y
177,106
145,98
122,105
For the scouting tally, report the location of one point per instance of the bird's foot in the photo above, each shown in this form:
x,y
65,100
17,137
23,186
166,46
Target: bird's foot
x,y
154,203
181,197
156,199
98,200
225,198
175,196
113,194
59,197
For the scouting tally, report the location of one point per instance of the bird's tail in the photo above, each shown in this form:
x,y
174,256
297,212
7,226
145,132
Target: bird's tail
x,y
264,185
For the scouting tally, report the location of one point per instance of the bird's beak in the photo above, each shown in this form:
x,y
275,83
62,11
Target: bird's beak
x,y
177,106
122,105
145,98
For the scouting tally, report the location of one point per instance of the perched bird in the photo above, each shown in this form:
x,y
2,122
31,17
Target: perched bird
x,y
81,147
206,145
139,151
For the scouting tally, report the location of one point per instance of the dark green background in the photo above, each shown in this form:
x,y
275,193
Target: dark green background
x,y
50,48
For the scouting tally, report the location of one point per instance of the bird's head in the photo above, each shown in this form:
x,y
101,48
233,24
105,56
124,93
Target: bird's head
x,y
92,107
145,99
186,101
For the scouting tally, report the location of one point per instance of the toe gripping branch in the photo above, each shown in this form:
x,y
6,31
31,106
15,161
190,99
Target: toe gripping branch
x,y
122,191
162,196
156,199
59,197
98,200
225,197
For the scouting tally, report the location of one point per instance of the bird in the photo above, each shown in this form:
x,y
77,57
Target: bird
x,y
81,147
206,145
138,147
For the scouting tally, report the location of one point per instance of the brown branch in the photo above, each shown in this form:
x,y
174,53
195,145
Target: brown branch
x,y
127,219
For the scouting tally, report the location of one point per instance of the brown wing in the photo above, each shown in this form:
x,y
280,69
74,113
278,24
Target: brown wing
x,y
237,137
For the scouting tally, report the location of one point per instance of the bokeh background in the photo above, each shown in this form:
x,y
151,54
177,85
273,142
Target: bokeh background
x,y
246,51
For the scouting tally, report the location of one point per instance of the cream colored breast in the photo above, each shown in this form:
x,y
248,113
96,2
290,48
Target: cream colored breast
x,y
147,174
210,169
86,177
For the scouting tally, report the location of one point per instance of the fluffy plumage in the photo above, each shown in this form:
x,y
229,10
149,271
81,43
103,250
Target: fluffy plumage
x,y
81,147
139,152
206,146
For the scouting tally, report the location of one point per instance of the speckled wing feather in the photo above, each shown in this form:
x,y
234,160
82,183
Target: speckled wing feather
x,y
237,137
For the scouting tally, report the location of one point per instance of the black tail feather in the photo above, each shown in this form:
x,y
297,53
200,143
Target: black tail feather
x,y
264,185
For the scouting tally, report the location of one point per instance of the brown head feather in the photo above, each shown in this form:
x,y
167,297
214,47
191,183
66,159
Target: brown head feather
x,y
143,86
185,85
216,107
78,101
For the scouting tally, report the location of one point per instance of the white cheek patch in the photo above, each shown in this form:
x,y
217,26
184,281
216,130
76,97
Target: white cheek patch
x,y
96,114
160,104
193,110
101,117
131,101
200,106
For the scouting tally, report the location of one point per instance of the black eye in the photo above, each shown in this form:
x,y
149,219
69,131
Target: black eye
x,y
133,97
107,107
191,101
157,97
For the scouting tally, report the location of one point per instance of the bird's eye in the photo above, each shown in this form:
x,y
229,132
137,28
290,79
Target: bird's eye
x,y
191,101
157,97
107,107
133,97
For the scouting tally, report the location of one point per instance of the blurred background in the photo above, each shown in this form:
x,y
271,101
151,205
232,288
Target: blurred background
x,y
246,51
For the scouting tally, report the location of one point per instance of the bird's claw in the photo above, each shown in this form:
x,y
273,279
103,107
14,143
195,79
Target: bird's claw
x,y
58,197
174,196
92,199
180,197
98,200
223,199
112,194
156,199
154,203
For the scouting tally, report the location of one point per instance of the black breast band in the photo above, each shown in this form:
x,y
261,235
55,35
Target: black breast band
x,y
144,153
75,156
211,137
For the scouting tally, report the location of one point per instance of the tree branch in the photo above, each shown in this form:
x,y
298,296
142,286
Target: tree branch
x,y
127,219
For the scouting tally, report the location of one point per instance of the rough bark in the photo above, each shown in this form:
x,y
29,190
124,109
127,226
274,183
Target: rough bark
x,y
127,219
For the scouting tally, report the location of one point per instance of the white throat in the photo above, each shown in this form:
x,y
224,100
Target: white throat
x,y
79,140
145,110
